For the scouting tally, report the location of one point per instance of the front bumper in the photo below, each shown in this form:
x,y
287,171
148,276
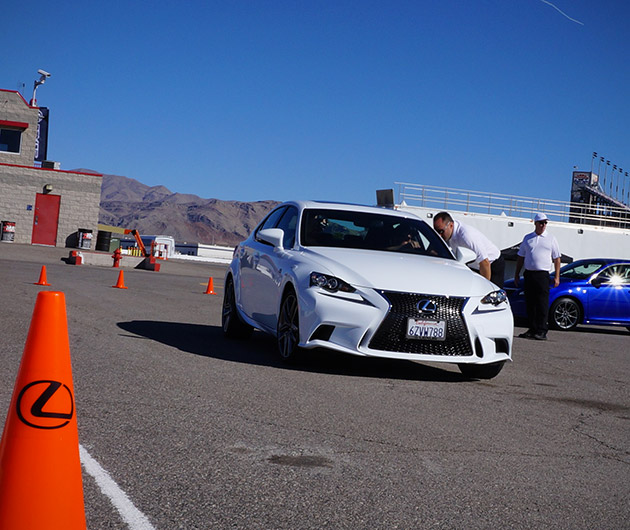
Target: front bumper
x,y
373,323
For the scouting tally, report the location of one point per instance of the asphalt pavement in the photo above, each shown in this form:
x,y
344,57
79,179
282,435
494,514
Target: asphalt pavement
x,y
203,432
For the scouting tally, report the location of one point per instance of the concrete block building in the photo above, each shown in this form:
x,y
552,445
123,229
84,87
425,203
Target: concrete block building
x,y
41,205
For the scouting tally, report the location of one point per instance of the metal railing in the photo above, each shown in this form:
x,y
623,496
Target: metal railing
x,y
496,204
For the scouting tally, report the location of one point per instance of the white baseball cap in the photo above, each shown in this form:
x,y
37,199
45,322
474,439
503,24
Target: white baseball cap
x,y
540,217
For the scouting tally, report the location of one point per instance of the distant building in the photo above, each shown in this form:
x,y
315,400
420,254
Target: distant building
x,y
41,205
216,253
187,249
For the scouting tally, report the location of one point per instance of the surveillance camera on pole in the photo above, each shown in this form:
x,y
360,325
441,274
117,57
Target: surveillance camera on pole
x,y
42,79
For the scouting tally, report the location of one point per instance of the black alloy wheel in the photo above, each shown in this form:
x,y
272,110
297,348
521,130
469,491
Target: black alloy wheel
x,y
288,331
565,314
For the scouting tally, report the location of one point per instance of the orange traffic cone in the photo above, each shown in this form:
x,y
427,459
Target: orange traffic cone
x,y
42,277
120,284
40,467
210,288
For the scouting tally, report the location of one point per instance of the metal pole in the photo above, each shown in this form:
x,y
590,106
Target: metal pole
x,y
608,163
33,102
616,184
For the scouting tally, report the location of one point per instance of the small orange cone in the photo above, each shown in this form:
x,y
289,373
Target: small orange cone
x,y
210,288
120,284
40,467
42,277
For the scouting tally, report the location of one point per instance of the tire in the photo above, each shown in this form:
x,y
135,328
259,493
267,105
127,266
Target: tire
x,y
565,314
481,371
233,326
288,331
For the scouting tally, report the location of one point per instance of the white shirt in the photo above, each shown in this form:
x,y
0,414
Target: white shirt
x,y
471,238
539,251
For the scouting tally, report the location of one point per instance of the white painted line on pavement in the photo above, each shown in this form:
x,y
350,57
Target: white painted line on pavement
x,y
130,514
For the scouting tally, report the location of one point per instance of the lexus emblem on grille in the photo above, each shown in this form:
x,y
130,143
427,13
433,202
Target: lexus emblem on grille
x,y
427,306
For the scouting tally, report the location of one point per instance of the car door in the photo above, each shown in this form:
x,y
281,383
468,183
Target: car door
x,y
610,300
252,273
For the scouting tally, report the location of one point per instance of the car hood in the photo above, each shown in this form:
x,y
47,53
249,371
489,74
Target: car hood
x,y
393,271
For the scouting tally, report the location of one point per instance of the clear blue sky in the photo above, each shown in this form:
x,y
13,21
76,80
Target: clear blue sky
x,y
328,99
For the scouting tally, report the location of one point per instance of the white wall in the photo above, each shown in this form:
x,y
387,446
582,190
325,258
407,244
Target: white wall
x,y
593,242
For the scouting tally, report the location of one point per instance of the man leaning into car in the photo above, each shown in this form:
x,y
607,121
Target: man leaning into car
x,y
489,259
537,252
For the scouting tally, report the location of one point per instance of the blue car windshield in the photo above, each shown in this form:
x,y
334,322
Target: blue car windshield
x,y
370,231
580,270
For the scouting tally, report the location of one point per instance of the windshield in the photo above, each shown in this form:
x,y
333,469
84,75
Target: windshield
x,y
580,270
370,231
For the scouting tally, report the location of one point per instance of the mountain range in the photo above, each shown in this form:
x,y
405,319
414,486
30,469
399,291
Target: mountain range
x,y
153,210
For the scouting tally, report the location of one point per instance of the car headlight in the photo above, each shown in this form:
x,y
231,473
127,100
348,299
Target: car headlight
x,y
495,297
330,283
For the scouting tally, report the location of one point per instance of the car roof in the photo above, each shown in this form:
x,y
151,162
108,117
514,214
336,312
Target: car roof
x,y
603,261
349,207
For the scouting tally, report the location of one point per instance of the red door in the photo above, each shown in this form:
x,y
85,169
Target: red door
x,y
46,219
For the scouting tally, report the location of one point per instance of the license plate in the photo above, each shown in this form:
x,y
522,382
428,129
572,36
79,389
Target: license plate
x,y
426,329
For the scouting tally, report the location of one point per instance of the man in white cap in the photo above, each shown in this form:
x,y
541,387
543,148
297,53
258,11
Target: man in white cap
x,y
488,262
538,251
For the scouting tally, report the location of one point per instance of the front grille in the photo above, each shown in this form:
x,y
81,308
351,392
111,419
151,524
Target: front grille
x,y
392,333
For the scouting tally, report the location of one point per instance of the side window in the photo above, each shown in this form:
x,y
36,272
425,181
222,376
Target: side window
x,y
10,140
271,220
616,274
288,223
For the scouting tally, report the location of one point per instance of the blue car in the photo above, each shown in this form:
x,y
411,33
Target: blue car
x,y
591,291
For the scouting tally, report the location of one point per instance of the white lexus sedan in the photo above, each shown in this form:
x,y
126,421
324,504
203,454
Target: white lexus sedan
x,y
367,281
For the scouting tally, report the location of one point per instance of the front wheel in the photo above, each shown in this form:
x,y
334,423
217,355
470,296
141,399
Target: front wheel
x,y
565,314
481,371
288,331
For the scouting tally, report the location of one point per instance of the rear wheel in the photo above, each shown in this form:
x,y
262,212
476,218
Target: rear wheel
x,y
288,332
481,371
233,326
565,314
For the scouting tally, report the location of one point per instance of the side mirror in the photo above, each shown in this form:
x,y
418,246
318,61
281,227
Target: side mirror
x,y
465,255
598,281
271,236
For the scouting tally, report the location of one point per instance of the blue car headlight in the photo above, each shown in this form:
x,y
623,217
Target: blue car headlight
x,y
495,297
330,283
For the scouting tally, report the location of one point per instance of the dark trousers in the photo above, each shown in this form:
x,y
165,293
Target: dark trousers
x,y
536,289
497,271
